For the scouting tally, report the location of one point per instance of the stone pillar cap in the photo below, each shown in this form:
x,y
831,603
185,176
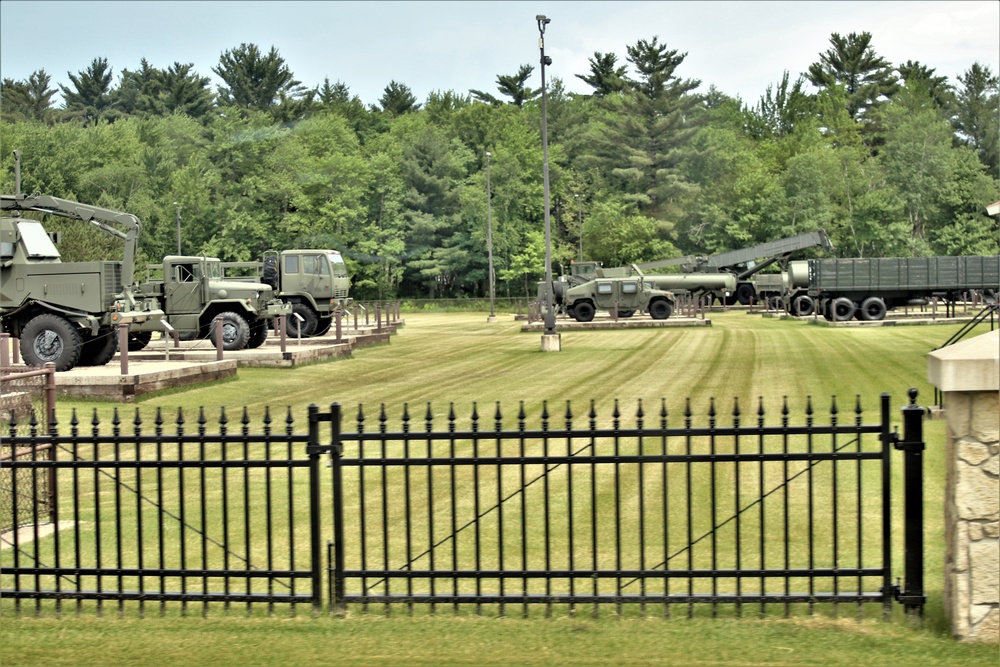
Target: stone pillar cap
x,y
970,365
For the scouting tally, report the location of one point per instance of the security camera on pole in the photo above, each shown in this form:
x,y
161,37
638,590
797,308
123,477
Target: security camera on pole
x,y
550,339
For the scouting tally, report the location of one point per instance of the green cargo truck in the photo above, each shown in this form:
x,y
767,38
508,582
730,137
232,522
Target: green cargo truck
x,y
314,282
193,292
866,289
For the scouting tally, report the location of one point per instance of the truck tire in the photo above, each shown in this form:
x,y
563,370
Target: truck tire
x,y
269,272
583,311
803,306
50,338
745,293
138,340
308,324
626,313
873,309
660,309
100,349
258,334
842,309
235,331
323,326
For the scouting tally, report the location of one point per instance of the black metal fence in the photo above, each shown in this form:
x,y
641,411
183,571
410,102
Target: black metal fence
x,y
649,514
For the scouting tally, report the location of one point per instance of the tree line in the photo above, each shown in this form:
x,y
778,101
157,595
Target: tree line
x,y
890,159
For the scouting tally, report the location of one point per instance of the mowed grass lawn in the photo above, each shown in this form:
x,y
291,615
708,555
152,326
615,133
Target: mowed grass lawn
x,y
458,359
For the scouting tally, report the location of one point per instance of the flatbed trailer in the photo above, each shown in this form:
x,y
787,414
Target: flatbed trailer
x,y
867,288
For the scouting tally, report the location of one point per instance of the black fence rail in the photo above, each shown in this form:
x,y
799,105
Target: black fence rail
x,y
649,514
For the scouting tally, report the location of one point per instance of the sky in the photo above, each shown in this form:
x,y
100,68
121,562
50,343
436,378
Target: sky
x,y
739,47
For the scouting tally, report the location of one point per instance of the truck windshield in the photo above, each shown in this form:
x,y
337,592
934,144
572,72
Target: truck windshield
x,y
337,262
213,270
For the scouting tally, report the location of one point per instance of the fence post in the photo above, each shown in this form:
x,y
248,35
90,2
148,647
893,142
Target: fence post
x,y
887,438
122,334
218,338
340,331
912,445
4,350
51,430
315,540
336,454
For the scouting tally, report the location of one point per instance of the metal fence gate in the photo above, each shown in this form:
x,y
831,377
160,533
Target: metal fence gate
x,y
648,516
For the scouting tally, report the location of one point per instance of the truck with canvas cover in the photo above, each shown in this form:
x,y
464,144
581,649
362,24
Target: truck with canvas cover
x,y
66,313
314,282
867,288
194,294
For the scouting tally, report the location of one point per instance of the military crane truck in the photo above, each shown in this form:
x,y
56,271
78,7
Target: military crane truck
x,y
66,313
866,289
193,292
745,264
314,283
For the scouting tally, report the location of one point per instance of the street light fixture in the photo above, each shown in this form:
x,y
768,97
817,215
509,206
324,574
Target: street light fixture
x,y
489,235
550,340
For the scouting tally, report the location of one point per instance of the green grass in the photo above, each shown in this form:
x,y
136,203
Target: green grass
x,y
445,359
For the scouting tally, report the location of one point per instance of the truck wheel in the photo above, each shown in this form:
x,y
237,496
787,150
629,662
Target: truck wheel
x,y
308,323
235,331
323,326
258,334
872,309
100,349
583,311
269,272
50,338
842,309
138,340
745,293
660,309
803,306
626,313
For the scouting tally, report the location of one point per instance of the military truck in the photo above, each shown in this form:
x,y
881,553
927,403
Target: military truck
x,y
192,292
583,273
625,290
66,313
745,264
842,289
313,282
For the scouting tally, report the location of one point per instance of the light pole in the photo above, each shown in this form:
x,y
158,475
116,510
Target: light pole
x,y
579,202
489,234
550,340
178,207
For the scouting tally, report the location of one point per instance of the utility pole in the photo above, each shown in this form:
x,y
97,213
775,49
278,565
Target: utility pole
x,y
550,339
489,235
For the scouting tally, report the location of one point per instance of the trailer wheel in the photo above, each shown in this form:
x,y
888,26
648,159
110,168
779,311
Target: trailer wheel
x,y
235,331
258,334
872,309
138,340
583,311
308,323
50,338
803,306
660,309
100,349
842,309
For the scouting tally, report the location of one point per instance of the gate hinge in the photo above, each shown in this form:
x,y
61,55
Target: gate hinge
x,y
904,445
909,599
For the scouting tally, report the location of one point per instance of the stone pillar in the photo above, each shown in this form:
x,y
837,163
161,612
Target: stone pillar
x,y
968,375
